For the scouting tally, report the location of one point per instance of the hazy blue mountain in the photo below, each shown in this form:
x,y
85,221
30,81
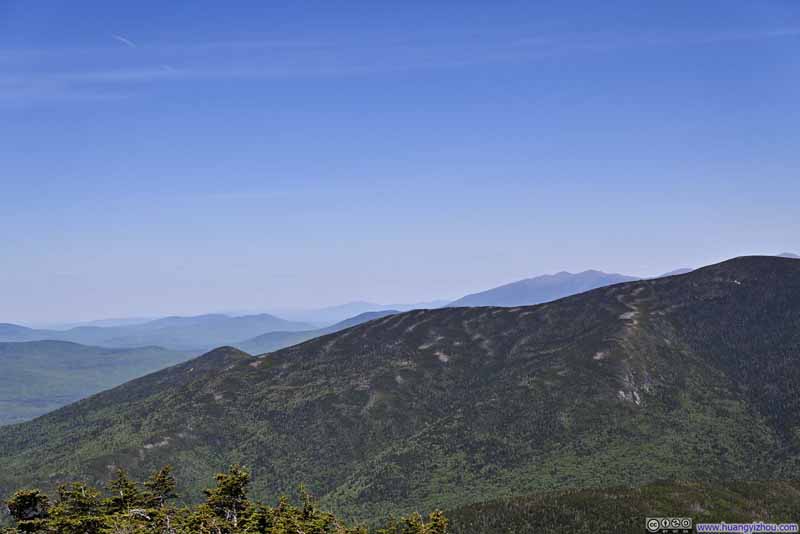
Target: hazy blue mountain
x,y
40,376
197,333
676,272
122,321
15,332
341,312
789,255
272,341
541,289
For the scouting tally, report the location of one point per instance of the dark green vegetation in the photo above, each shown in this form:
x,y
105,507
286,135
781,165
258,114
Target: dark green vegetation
x,y
687,377
130,508
196,334
623,510
272,341
39,376
542,289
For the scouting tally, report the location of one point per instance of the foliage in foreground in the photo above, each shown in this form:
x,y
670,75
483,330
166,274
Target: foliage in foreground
x,y
130,508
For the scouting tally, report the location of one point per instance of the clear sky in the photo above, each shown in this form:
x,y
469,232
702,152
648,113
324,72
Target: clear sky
x,y
185,157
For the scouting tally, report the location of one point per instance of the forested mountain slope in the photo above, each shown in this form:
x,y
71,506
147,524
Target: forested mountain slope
x,y
623,510
39,376
687,377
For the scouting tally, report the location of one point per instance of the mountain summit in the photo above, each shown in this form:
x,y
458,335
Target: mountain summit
x,y
541,289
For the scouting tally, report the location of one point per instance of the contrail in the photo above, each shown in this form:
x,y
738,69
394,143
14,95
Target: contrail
x,y
123,40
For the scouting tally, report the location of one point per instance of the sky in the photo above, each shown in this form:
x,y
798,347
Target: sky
x,y
178,158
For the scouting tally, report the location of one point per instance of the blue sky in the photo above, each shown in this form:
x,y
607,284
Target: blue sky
x,y
254,155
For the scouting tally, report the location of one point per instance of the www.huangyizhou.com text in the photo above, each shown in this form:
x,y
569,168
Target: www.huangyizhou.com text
x,y
747,528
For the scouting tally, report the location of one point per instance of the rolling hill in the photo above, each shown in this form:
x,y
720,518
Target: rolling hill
x,y
272,341
198,333
685,377
40,376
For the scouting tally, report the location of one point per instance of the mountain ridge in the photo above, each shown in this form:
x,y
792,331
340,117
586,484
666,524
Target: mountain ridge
x,y
272,341
621,385
543,288
192,333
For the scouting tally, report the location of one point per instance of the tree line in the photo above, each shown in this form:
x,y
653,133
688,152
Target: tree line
x,y
128,507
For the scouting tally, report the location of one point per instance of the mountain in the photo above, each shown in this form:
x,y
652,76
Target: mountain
x,y
789,255
541,289
40,376
341,312
15,332
676,272
272,341
623,510
198,333
122,321
690,377
202,331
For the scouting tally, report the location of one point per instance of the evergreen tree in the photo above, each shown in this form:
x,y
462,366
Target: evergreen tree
x,y
78,510
125,494
30,509
128,510
229,499
160,487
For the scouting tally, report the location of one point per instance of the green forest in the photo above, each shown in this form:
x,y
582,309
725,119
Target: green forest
x,y
128,507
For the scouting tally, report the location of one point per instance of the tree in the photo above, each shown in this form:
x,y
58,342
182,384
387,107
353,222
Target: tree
x,y
229,499
160,487
437,523
30,509
78,510
128,510
125,494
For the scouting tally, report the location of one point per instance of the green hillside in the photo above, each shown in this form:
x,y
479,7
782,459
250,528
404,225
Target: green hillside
x,y
40,376
687,377
623,510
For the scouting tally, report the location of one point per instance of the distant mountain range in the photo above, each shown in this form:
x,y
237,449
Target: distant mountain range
x,y
198,333
333,314
122,321
272,341
677,272
265,332
550,287
541,289
683,377
40,376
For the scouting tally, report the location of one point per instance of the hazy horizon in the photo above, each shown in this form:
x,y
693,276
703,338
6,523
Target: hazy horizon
x,y
269,157
299,312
